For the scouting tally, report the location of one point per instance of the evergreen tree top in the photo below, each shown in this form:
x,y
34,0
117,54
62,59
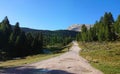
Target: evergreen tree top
x,y
5,20
118,19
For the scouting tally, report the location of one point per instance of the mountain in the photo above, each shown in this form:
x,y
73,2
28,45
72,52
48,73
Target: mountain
x,y
77,27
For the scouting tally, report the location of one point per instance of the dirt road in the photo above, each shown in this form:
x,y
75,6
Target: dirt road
x,y
68,63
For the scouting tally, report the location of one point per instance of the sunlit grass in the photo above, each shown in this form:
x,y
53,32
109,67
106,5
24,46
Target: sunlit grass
x,y
104,56
26,60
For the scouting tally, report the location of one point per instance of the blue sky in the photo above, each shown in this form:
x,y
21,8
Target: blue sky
x,y
56,14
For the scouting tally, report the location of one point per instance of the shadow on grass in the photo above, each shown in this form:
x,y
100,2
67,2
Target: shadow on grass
x,y
30,70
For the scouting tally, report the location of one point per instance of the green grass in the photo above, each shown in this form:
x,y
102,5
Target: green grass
x,y
29,59
104,56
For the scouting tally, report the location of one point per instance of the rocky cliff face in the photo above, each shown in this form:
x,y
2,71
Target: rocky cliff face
x,y
77,27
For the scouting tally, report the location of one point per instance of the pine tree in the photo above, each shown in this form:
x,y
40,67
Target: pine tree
x,y
78,37
17,29
29,40
108,21
14,34
84,33
117,27
20,44
101,33
5,32
5,26
37,43
90,37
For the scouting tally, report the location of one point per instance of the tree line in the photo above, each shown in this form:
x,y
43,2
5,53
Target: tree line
x,y
62,37
14,42
106,29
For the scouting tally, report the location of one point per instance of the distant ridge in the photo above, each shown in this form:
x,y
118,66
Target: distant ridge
x,y
77,27
49,32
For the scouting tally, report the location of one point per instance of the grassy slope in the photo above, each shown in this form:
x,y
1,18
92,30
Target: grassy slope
x,y
104,56
29,59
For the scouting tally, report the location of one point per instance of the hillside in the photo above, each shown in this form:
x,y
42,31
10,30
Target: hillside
x,y
49,32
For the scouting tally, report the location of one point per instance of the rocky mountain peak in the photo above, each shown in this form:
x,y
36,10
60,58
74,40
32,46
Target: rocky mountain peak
x,y
77,27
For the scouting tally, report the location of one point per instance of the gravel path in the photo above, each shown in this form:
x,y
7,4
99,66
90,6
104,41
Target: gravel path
x,y
68,63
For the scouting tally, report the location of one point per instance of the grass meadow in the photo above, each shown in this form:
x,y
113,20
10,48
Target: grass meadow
x,y
104,56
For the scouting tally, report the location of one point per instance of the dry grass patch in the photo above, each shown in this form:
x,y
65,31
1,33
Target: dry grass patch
x,y
104,56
